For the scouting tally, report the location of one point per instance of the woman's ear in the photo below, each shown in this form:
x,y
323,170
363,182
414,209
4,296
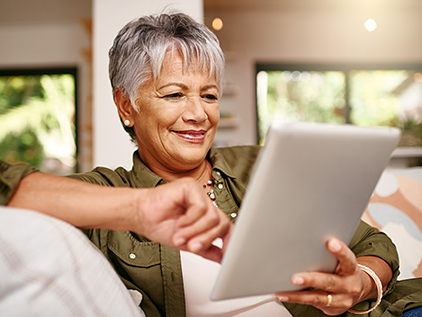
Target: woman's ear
x,y
124,106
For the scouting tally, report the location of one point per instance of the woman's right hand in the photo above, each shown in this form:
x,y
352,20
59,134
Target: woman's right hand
x,y
179,214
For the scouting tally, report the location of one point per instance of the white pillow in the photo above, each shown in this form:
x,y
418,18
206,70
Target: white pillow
x,y
50,268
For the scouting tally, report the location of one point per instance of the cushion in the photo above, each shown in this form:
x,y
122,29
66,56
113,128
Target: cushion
x,y
396,209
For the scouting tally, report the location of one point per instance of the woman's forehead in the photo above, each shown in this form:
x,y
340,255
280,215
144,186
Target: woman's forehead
x,y
174,64
177,59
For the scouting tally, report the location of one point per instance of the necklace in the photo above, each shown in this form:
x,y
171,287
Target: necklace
x,y
209,183
210,193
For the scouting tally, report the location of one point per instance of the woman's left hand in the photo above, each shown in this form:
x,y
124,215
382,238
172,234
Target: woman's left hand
x,y
332,293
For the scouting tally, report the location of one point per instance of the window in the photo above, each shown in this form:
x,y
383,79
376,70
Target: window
x,y
38,118
376,95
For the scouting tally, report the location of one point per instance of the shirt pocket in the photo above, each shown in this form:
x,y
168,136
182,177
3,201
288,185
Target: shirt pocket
x,y
132,251
138,263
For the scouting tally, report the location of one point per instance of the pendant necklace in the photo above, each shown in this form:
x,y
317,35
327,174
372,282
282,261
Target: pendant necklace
x,y
210,193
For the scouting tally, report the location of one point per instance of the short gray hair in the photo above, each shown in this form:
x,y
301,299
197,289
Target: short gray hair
x,y
139,49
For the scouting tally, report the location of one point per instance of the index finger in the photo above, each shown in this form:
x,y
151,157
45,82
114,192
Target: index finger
x,y
215,224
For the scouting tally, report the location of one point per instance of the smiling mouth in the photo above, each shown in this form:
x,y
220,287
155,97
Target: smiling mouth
x,y
191,135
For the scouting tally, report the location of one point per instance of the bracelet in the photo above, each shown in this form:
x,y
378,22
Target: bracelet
x,y
378,283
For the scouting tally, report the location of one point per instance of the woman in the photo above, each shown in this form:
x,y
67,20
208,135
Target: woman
x,y
166,74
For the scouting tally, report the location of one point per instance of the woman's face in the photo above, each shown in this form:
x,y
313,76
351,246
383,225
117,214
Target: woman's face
x,y
178,117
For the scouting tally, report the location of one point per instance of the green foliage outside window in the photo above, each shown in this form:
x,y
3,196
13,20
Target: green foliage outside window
x,y
361,97
372,98
301,97
37,121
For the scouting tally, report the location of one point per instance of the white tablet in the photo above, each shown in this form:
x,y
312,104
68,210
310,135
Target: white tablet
x,y
310,182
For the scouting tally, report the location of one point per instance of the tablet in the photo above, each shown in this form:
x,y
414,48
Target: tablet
x,y
310,182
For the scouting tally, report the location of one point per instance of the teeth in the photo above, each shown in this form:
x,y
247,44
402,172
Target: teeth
x,y
195,136
192,134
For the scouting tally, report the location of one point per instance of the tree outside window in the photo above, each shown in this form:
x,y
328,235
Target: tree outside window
x,y
37,120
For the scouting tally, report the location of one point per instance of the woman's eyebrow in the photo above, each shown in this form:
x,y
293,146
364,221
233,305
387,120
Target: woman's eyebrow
x,y
183,86
209,87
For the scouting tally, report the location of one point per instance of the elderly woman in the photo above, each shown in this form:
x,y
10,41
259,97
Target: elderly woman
x,y
166,73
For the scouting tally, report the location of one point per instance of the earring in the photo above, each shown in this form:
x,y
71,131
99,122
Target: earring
x,y
126,122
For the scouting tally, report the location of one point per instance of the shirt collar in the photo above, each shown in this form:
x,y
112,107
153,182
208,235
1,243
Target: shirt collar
x,y
142,176
219,163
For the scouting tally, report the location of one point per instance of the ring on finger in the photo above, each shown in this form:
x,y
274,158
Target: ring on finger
x,y
329,300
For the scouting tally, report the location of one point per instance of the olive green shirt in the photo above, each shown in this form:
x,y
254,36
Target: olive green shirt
x,y
155,270
10,177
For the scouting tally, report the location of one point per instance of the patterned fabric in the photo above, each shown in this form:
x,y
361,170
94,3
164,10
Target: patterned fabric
x,y
50,268
396,209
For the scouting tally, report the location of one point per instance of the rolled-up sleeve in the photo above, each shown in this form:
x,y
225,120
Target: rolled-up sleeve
x,y
369,241
10,177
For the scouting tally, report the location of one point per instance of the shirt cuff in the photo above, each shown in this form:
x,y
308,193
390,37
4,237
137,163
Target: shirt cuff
x,y
10,177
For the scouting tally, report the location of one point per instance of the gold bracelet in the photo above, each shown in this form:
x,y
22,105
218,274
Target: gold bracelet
x,y
378,283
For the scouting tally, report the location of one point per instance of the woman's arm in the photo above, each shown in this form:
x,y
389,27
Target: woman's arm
x,y
176,214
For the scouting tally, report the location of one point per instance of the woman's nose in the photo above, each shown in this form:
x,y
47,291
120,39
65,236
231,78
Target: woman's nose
x,y
195,111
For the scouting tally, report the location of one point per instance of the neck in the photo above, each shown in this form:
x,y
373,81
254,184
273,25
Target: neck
x,y
201,173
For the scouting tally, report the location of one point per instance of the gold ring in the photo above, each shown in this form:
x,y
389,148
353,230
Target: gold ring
x,y
329,299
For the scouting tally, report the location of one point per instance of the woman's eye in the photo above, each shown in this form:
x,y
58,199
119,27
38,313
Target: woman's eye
x,y
174,96
211,97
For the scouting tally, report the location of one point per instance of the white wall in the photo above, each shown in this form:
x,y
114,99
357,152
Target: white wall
x,y
310,32
112,146
41,45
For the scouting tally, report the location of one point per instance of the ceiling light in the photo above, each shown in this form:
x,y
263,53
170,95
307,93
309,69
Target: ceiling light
x,y
370,25
217,24
417,77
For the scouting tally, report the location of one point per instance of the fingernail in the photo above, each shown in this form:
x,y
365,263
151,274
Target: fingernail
x,y
180,241
197,246
335,245
282,298
298,280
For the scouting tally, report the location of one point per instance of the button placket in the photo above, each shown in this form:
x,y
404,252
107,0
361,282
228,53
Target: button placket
x,y
223,196
217,186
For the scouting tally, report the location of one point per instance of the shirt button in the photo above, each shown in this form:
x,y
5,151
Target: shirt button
x,y
233,215
220,186
132,256
218,173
